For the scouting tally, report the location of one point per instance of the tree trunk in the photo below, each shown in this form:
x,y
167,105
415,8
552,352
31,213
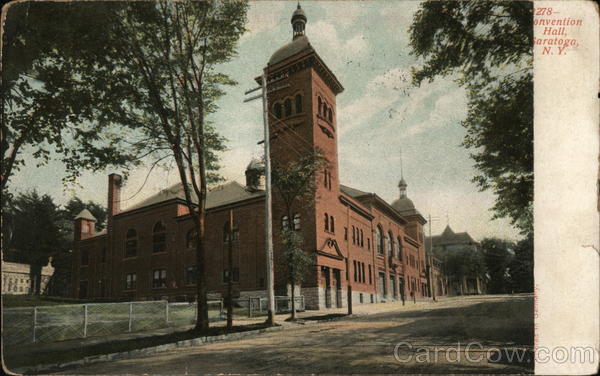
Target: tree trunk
x,y
293,299
201,289
230,275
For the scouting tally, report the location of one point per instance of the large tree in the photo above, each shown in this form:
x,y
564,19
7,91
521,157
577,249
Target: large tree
x,y
487,45
295,185
32,222
521,266
40,41
157,79
497,256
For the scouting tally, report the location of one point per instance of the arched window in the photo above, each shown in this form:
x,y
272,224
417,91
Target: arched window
x,y
288,107
190,239
298,103
324,114
320,106
399,249
326,222
330,115
379,240
297,221
131,243
277,109
362,243
388,243
285,222
332,224
234,235
159,237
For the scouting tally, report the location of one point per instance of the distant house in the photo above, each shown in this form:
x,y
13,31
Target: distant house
x,y
449,241
18,280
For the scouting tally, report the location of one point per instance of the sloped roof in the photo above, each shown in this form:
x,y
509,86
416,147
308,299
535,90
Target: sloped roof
x,y
352,192
221,195
449,237
86,214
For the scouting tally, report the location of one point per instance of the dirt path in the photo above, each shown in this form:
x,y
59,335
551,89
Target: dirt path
x,y
365,344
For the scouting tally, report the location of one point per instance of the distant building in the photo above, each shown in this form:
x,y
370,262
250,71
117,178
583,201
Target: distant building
x,y
356,238
18,280
449,241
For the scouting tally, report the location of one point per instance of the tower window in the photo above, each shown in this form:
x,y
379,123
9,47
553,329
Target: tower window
x,y
329,115
298,103
320,105
278,110
326,222
288,107
332,224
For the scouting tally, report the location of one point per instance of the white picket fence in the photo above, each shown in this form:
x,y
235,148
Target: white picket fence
x,y
63,322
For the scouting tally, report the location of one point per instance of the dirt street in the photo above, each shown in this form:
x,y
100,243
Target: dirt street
x,y
455,335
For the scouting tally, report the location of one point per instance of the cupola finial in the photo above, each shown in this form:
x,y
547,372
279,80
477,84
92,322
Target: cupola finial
x,y
298,22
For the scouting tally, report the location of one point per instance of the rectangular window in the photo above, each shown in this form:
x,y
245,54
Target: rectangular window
x,y
83,289
347,270
362,268
370,276
190,275
235,275
130,281
355,272
85,256
369,244
345,233
159,278
353,235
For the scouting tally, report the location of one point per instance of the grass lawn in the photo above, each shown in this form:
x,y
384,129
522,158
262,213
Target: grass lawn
x,y
15,359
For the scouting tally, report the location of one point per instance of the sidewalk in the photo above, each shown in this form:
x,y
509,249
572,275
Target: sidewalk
x,y
64,351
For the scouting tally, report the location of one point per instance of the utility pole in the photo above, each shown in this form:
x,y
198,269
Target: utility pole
x,y
268,190
230,273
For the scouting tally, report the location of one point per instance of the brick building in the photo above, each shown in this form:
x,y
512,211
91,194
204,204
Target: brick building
x,y
356,238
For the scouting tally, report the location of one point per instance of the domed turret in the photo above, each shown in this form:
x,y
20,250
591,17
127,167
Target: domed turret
x,y
299,41
403,204
255,175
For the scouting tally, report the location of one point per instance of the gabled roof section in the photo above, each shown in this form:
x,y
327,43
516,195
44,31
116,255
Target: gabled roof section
x,y
352,192
449,237
86,214
224,194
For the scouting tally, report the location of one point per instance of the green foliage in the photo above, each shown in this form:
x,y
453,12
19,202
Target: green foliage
x,y
488,46
33,232
461,262
75,206
521,266
296,182
46,107
497,256
296,259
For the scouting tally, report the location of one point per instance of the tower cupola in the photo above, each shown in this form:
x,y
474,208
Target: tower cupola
x,y
298,22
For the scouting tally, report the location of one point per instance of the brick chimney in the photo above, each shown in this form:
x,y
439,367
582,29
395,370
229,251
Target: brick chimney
x,y
114,199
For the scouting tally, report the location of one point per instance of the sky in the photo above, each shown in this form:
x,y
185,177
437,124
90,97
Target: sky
x,y
382,119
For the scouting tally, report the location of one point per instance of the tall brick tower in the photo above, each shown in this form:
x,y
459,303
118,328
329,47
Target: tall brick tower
x,y
302,117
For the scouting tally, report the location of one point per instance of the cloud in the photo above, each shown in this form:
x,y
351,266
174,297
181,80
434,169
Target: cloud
x,y
334,50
